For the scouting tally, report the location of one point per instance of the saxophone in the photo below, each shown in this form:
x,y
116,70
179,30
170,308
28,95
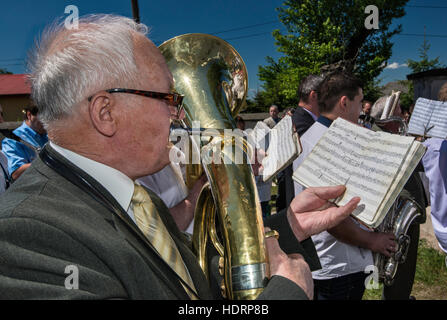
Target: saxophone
x,y
401,215
213,78
399,218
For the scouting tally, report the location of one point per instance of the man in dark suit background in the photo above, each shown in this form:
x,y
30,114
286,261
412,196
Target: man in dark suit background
x,y
304,116
307,112
77,206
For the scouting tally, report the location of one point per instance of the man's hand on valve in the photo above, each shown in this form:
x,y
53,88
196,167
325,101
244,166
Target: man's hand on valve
x,y
292,266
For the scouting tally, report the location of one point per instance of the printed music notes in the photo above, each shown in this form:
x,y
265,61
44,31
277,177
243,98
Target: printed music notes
x,y
429,119
281,145
372,165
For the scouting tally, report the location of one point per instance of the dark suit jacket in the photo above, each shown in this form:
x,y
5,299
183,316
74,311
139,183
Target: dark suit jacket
x,y
302,120
48,224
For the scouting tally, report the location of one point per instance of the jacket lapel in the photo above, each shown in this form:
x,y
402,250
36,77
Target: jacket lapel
x,y
120,219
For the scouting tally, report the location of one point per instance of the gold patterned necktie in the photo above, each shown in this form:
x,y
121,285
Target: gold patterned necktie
x,y
150,223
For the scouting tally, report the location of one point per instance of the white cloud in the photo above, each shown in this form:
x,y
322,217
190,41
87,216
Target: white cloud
x,y
396,65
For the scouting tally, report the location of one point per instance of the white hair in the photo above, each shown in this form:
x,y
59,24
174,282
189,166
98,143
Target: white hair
x,y
67,66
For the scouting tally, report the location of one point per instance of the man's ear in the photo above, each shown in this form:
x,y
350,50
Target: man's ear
x,y
343,103
313,95
28,115
101,113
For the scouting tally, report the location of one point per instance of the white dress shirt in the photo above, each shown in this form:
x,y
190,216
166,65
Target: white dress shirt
x,y
169,185
119,185
435,166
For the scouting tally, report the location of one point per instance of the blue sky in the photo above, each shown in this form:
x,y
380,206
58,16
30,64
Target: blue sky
x,y
21,21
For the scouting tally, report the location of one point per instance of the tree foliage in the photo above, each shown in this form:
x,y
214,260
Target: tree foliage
x,y
425,63
325,35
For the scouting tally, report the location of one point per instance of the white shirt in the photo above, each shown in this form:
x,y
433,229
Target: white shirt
x,y
336,258
264,189
308,140
119,185
435,165
169,185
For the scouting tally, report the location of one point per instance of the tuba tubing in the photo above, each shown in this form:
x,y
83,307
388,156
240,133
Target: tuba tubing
x,y
402,214
213,78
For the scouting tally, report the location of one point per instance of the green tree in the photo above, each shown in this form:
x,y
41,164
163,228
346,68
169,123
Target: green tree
x,y
425,63
406,99
327,35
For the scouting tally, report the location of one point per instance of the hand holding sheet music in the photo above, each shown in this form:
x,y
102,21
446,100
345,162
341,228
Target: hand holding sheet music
x,y
281,144
372,165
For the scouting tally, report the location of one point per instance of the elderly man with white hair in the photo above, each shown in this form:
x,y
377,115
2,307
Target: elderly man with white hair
x,y
76,225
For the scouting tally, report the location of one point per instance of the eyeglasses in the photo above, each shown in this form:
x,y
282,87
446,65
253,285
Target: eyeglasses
x,y
173,99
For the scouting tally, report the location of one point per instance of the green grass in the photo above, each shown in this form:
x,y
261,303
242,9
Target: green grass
x,y
431,268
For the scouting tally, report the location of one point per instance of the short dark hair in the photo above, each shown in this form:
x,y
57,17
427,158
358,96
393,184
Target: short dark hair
x,y
307,85
335,86
239,119
33,109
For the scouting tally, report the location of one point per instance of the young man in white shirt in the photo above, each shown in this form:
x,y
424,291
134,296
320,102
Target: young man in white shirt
x,y
345,250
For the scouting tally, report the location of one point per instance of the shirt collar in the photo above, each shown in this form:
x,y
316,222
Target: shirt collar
x,y
119,185
324,121
311,113
28,131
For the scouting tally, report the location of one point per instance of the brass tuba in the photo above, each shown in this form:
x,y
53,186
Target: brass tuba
x,y
398,220
404,212
213,78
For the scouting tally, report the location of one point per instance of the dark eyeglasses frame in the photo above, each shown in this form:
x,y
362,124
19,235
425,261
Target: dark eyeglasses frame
x,y
173,99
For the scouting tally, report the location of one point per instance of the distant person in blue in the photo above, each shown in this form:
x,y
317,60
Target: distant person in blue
x,y
25,144
435,165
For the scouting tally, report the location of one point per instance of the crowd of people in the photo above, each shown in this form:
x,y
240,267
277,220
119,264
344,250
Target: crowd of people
x,y
346,250
90,183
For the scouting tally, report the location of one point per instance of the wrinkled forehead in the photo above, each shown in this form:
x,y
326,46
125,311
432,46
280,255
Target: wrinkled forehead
x,y
150,61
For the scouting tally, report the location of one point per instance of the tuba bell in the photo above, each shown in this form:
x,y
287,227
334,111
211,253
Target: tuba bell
x,y
213,78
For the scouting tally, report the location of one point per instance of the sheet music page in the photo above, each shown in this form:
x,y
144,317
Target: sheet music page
x,y
366,162
284,147
260,135
410,162
429,114
388,104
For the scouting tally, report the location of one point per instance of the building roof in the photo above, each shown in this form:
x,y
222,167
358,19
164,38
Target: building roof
x,y
11,84
429,73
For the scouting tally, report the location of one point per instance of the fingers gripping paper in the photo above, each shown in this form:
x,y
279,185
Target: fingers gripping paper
x,y
282,147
